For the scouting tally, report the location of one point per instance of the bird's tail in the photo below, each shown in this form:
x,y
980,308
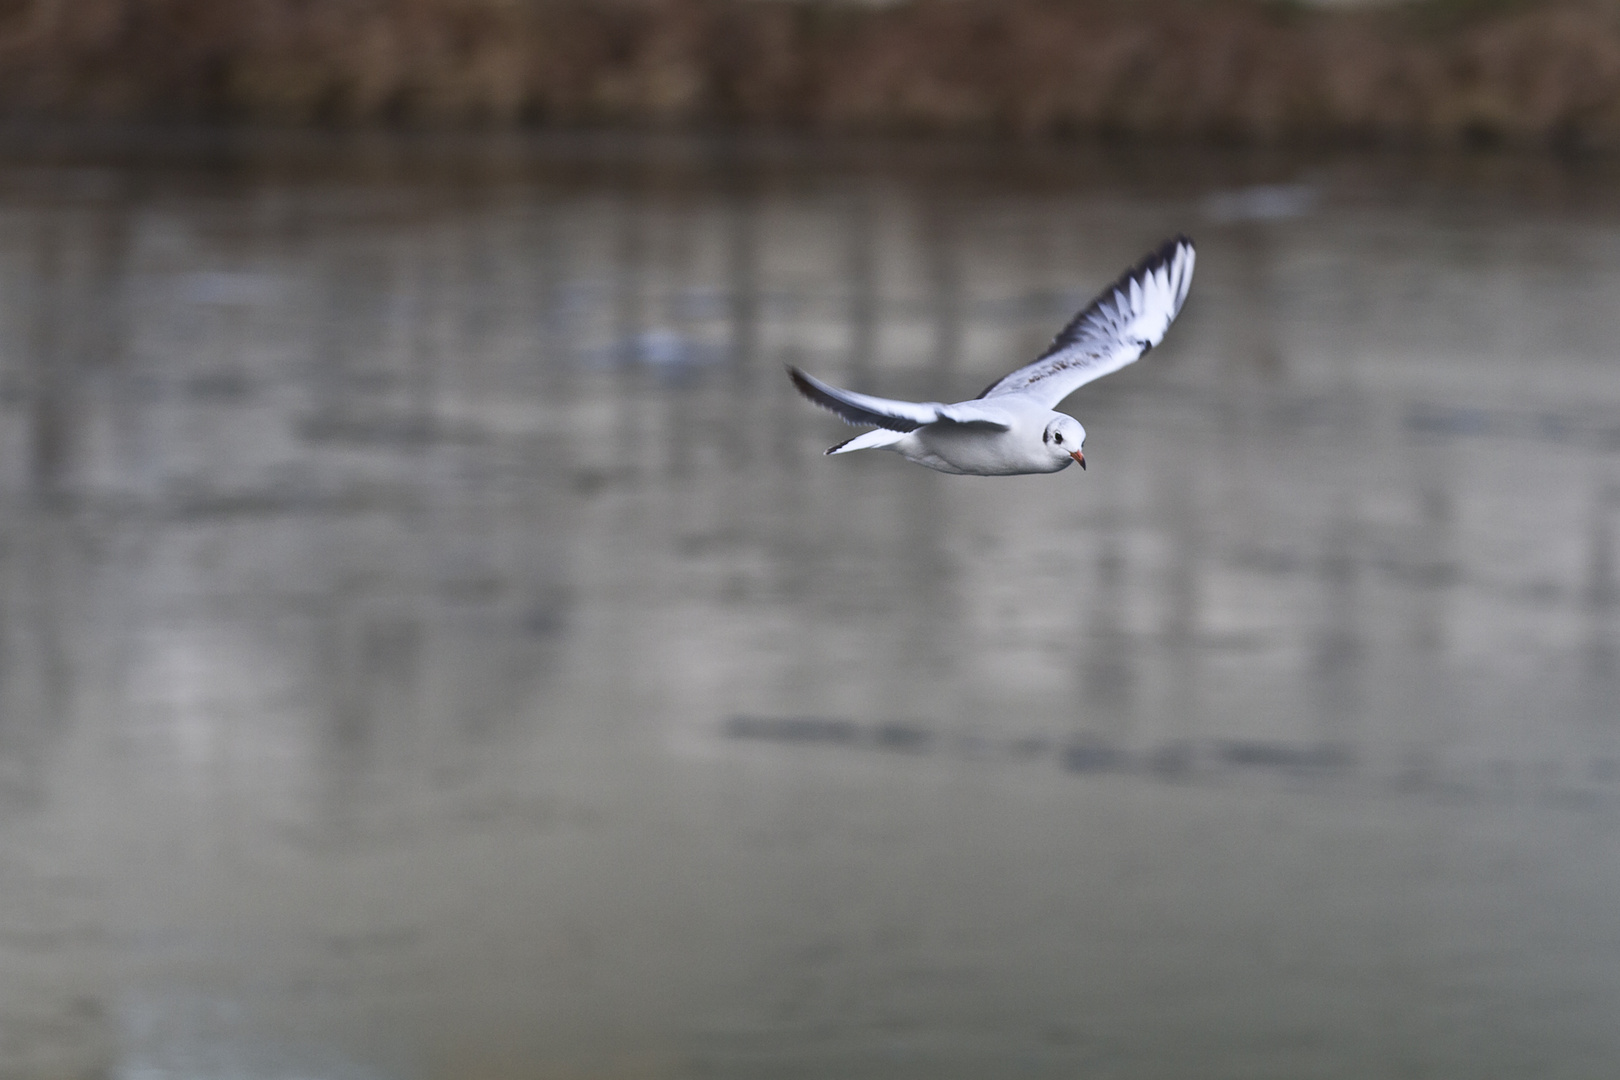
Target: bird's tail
x,y
872,439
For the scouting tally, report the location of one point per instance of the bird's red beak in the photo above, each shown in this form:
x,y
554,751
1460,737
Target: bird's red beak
x,y
1078,456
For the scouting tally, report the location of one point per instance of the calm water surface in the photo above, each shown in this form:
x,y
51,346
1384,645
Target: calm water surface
x,y
433,645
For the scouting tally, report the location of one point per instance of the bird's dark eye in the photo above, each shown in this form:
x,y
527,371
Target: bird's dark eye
x,y
1059,437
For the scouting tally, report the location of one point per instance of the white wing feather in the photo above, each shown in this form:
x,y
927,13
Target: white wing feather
x,y
890,413
1129,318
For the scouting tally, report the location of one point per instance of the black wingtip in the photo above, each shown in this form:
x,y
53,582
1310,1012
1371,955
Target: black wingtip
x,y
1153,260
1160,255
810,392
802,384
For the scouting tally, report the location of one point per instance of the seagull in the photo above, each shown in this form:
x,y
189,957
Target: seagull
x,y
1011,427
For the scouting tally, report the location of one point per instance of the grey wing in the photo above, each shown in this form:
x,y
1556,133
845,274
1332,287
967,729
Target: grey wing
x,y
1129,318
853,408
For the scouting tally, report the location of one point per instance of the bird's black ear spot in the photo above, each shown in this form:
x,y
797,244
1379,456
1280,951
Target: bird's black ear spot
x,y
1046,437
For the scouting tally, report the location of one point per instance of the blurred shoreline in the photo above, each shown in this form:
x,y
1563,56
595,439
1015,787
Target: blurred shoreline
x,y
1428,73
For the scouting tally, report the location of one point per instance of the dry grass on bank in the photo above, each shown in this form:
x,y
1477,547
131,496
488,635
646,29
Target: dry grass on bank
x,y
1442,70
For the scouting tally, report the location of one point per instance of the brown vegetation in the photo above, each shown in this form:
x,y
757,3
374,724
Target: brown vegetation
x,y
1257,70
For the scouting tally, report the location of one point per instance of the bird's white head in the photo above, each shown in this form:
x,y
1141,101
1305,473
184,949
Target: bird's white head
x,y
1065,438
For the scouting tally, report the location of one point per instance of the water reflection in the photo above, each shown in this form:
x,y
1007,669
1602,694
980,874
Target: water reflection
x,y
431,640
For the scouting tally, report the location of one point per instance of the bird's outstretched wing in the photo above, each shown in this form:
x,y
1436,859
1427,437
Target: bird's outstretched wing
x,y
888,413
1129,318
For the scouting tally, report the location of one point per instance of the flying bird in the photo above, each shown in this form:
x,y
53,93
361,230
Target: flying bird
x,y
1011,428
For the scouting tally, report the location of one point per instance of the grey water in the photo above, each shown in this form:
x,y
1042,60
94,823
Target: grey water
x,y
432,642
